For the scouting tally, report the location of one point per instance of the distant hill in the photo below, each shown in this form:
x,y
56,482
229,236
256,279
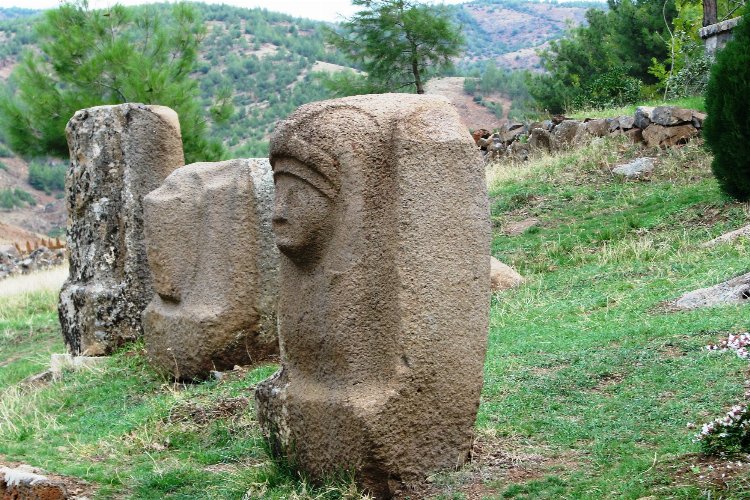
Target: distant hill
x,y
269,61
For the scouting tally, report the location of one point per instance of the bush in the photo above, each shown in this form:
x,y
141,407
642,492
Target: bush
x,y
3,166
727,128
47,177
611,89
15,197
5,152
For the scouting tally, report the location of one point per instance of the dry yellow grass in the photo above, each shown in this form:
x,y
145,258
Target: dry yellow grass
x,y
50,279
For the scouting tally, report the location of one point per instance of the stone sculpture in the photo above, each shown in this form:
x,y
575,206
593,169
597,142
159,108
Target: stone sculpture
x,y
117,155
382,220
215,266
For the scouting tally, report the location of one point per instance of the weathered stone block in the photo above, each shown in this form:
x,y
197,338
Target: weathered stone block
x,y
117,155
660,136
381,216
215,266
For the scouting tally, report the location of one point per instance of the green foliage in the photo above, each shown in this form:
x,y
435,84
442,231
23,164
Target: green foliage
x,y
5,152
93,57
613,88
727,128
580,66
47,176
15,197
399,43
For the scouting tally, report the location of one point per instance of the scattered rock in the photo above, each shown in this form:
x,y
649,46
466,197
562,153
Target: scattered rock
x,y
743,232
118,155
25,483
38,379
734,291
502,276
635,169
215,266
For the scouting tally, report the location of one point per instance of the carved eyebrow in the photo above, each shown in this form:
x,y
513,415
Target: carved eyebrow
x,y
287,165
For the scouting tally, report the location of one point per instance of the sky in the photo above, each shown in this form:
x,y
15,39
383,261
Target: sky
x,y
326,10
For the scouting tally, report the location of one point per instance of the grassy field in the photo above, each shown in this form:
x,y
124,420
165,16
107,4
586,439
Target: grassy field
x,y
591,380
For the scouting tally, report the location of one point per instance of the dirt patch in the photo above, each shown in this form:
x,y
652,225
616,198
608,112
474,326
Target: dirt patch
x,y
608,380
76,488
516,228
720,474
472,115
201,415
496,461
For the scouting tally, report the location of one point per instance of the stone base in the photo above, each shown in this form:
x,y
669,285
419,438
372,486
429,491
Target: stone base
x,y
190,344
97,319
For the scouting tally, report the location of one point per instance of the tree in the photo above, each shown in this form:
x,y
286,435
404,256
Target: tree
x,y
399,43
727,127
95,57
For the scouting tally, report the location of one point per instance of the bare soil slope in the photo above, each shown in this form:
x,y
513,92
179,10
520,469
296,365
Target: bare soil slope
x,y
473,115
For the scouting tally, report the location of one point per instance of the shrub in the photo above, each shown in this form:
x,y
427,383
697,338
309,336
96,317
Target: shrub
x,y
5,152
47,177
727,128
3,166
611,89
15,197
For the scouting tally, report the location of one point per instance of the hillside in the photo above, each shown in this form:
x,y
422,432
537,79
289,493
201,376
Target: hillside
x,y
593,386
270,62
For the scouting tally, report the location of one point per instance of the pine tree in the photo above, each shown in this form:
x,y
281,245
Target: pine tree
x,y
94,57
727,127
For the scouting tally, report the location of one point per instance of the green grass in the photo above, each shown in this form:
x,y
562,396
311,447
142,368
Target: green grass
x,y
590,381
697,103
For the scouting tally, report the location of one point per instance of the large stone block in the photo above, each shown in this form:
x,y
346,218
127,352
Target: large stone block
x,y
215,266
382,219
117,155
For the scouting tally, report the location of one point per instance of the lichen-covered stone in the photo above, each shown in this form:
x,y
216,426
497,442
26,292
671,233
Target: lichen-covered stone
x,y
215,266
382,219
117,155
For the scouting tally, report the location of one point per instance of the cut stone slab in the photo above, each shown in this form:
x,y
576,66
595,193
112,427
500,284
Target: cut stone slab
x,y
382,219
743,232
22,484
215,266
735,291
118,154
502,276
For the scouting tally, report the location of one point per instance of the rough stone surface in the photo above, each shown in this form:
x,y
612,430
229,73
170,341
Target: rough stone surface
x,y
670,115
642,118
502,276
59,363
541,140
661,136
636,168
734,291
382,219
215,267
743,232
23,484
564,133
117,155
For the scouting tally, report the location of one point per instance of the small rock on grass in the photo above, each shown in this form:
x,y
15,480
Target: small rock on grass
x,y
635,169
743,232
502,276
734,291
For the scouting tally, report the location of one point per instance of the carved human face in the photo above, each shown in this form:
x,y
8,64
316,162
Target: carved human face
x,y
301,217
